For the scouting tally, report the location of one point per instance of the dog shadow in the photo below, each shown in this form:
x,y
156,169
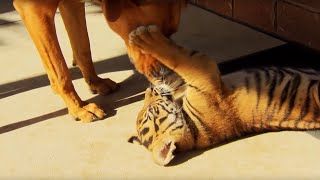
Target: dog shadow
x,y
130,91
120,63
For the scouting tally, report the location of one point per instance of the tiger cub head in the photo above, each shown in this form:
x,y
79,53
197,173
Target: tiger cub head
x,y
161,125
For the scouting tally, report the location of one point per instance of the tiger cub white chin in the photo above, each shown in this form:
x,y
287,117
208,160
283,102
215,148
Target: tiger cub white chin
x,y
211,110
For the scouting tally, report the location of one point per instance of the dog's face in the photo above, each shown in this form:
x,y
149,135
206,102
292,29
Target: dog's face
x,y
125,15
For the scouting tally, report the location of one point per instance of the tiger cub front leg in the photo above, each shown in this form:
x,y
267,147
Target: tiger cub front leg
x,y
151,41
196,68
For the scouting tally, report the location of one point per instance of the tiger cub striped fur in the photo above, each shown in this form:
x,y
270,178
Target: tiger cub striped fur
x,y
214,109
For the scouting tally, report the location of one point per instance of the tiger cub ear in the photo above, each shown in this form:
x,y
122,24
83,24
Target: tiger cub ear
x,y
134,139
162,152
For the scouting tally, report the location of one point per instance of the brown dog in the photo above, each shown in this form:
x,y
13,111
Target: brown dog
x,y
122,16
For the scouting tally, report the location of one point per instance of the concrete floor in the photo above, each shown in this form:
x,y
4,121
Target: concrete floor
x,y
38,140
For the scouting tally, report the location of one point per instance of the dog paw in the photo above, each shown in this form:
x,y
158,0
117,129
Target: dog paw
x,y
87,113
102,86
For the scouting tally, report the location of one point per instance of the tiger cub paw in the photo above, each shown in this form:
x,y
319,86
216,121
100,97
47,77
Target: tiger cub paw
x,y
149,40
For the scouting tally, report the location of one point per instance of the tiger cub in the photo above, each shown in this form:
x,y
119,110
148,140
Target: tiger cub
x,y
211,110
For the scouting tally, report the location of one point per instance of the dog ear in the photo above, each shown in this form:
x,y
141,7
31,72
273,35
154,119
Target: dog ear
x,y
112,9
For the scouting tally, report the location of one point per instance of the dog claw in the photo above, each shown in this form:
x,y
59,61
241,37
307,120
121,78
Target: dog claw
x,y
88,113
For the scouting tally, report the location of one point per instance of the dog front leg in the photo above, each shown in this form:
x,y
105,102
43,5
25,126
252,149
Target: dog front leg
x,y
73,14
38,17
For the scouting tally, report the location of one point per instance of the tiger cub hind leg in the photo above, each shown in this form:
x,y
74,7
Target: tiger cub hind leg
x,y
288,99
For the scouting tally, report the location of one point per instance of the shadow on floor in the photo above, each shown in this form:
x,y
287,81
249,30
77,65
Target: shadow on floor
x,y
184,157
130,88
315,134
119,63
288,55
129,92
6,6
